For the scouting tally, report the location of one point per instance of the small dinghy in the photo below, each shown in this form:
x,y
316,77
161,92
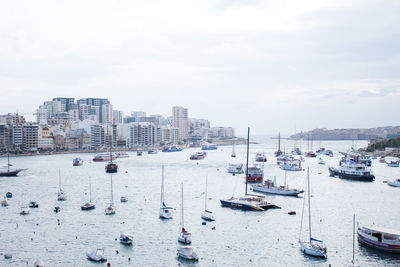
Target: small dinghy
x,y
33,204
394,183
4,203
24,211
124,199
96,255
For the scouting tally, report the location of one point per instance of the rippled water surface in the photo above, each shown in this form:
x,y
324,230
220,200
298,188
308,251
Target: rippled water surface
x,y
239,238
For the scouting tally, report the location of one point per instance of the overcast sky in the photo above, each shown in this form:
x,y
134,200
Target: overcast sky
x,y
272,65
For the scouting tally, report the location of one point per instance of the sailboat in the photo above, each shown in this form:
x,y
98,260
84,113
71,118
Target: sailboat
x,y
233,155
248,202
111,167
9,172
165,212
207,214
184,236
110,210
313,247
89,205
61,195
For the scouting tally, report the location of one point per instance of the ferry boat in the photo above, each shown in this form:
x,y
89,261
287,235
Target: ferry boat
x,y
260,157
171,149
197,156
77,162
352,170
121,154
209,147
379,238
255,174
235,168
104,157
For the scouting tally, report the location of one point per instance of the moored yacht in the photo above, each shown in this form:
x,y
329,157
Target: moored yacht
x,y
379,238
187,253
292,165
260,157
77,162
197,156
235,168
126,239
254,174
352,170
394,183
104,157
121,154
270,187
393,163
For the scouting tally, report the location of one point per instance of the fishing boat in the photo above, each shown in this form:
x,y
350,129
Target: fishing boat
x,y
279,151
247,202
207,214
104,156
393,163
233,154
110,210
171,149
96,255
165,212
197,156
184,236
89,205
187,253
8,171
312,246
77,162
270,187
321,161
126,239
352,170
209,146
260,157
379,238
24,211
122,154
235,168
61,194
394,183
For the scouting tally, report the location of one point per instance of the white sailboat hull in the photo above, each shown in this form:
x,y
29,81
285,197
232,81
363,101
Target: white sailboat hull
x,y
208,216
276,191
165,213
313,250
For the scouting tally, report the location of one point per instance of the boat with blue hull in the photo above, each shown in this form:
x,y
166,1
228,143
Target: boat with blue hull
x,y
379,238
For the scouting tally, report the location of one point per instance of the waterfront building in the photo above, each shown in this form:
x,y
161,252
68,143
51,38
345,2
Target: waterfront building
x,y
45,141
4,137
97,136
180,121
142,134
30,136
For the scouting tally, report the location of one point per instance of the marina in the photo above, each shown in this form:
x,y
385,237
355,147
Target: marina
x,y
61,239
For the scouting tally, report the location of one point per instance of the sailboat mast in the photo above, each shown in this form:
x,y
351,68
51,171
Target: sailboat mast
x,y
112,196
162,186
285,178
205,196
279,141
247,160
354,225
182,226
309,207
59,178
8,160
90,189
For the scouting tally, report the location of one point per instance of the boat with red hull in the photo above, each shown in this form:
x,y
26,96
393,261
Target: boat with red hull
x,y
379,238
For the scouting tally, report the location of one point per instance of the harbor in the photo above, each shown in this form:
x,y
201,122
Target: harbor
x,y
235,238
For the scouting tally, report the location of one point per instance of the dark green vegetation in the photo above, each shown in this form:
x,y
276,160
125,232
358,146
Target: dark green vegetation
x,y
381,145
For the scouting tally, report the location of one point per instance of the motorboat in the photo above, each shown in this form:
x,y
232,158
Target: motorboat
x,y
235,168
393,163
312,246
110,210
33,204
255,174
122,154
165,212
61,194
311,154
9,195
207,214
171,149
124,199
24,211
126,239
152,151
89,205
260,157
139,153
4,203
187,253
104,157
96,255
209,146
352,170
292,165
197,156
270,187
382,159
38,263
321,161
394,183
57,209
321,150
77,162
379,238
111,167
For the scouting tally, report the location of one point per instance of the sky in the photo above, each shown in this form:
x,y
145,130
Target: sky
x,y
272,65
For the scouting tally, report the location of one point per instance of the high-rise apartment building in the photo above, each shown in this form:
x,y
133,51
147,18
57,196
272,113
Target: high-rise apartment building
x,y
180,121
